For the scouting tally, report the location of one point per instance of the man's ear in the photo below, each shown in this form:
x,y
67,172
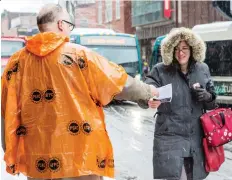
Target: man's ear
x,y
60,25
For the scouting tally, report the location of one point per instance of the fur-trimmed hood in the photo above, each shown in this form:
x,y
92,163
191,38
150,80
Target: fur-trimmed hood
x,y
174,37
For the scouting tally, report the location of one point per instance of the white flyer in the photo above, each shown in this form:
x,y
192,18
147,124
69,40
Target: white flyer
x,y
165,93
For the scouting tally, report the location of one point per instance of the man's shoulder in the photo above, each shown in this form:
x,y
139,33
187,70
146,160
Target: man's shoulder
x,y
76,47
16,56
79,50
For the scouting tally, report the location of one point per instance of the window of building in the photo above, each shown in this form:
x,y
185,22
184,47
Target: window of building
x,y
108,11
81,2
100,12
117,9
146,12
83,23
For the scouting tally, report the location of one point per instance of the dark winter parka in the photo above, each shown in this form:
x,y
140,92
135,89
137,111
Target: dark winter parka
x,y
178,131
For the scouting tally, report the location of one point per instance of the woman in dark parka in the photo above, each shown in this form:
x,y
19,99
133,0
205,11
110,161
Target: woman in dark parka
x,y
177,150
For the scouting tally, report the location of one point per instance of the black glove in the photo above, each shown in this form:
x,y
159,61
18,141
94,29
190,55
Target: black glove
x,y
202,95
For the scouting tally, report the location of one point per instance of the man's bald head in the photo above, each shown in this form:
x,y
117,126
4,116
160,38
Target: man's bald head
x,y
54,18
48,14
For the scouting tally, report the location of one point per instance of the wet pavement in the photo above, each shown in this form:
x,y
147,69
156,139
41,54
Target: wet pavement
x,y
131,131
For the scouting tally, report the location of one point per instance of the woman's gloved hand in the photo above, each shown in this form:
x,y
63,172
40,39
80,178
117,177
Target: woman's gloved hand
x,y
202,95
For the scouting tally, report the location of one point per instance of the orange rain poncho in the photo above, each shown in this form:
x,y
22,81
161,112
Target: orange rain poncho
x,y
52,97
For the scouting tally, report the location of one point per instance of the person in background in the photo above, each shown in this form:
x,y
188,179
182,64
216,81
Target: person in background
x,y
146,69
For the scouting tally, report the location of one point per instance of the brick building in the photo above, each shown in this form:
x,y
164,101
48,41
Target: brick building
x,y
18,23
198,12
184,14
114,14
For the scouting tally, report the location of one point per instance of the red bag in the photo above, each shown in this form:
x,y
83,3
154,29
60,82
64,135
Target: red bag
x,y
217,126
214,157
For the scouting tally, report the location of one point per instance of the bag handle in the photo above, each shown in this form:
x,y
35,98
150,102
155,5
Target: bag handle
x,y
222,115
216,121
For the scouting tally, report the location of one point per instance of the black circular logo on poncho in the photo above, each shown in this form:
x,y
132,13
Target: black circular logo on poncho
x,y
21,131
9,74
86,128
41,165
73,128
102,163
81,63
54,164
66,60
36,96
49,95
15,67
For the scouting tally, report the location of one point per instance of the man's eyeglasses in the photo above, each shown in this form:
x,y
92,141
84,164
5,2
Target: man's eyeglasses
x,y
71,25
184,50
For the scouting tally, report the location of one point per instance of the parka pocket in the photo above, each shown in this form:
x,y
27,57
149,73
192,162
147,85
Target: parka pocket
x,y
167,166
161,125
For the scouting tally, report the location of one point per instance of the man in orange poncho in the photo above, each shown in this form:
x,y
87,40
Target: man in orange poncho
x,y
53,93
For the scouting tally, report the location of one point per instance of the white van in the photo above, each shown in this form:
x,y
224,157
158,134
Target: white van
x,y
218,38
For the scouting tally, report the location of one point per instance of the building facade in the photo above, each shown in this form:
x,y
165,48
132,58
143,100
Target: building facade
x,y
198,12
18,23
149,21
113,14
